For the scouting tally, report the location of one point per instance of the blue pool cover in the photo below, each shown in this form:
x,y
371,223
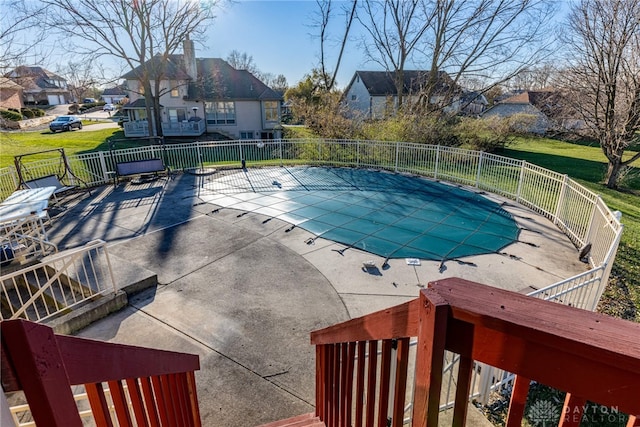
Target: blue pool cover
x,y
391,215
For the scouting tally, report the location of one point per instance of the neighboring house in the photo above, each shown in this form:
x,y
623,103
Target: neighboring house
x,y
473,103
114,95
10,94
40,86
546,106
205,95
373,94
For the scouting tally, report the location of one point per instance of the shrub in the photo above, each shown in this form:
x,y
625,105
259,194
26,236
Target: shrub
x,y
487,134
28,113
11,115
422,128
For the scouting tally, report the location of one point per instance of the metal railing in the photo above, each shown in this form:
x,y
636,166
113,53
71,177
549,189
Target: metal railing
x,y
60,282
25,238
575,210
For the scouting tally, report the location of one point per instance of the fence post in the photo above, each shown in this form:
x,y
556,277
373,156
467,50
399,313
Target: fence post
x,y
435,172
103,166
397,155
561,197
479,169
358,153
280,149
520,180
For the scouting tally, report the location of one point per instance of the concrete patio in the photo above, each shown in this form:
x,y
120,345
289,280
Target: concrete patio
x,y
244,291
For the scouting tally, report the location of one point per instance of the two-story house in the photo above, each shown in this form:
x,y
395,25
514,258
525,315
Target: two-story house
x,y
373,94
201,95
40,86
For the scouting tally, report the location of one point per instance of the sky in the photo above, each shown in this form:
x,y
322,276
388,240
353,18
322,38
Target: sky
x,y
279,36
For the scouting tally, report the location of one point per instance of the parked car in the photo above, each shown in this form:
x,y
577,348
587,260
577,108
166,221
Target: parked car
x,y
65,123
89,101
108,107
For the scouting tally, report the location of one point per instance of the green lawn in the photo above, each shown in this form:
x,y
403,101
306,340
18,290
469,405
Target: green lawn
x,y
587,164
14,143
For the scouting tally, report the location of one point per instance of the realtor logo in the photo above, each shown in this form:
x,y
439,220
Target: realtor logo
x,y
543,413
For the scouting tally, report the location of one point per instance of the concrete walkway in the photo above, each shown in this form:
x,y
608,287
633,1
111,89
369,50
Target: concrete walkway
x,y
244,291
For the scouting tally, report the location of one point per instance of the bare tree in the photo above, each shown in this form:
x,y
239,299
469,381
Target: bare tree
x,y
492,40
395,28
277,83
141,33
82,77
243,61
20,40
604,77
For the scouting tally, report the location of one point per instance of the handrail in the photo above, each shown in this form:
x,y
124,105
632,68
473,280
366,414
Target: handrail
x,y
390,323
59,282
160,384
591,356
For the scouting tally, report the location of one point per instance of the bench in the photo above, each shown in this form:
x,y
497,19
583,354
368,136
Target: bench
x,y
138,167
49,181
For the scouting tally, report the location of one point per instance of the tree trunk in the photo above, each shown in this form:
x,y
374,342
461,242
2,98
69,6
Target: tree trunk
x,y
613,171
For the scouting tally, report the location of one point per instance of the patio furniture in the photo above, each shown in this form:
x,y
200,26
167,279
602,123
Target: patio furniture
x,y
138,167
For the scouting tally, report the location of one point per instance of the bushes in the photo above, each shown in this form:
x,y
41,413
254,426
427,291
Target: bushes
x,y
11,114
489,134
30,113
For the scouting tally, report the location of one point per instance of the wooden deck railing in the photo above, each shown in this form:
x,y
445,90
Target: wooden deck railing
x,y
590,356
148,387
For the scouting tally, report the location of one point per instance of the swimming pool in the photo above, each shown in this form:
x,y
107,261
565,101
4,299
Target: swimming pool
x,y
387,214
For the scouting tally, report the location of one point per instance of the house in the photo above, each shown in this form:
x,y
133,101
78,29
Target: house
x,y
10,94
114,95
473,103
547,107
201,95
40,86
373,94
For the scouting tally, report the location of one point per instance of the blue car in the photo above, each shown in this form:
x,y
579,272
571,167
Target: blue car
x,y
62,123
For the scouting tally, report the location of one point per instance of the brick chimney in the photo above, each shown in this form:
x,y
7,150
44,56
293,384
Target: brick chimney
x,y
189,58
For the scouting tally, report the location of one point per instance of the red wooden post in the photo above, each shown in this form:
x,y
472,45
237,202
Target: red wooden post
x,y
351,355
518,401
401,382
98,403
432,332
572,411
34,354
360,383
335,385
371,383
465,370
343,384
150,402
385,379
320,382
136,401
193,397
120,403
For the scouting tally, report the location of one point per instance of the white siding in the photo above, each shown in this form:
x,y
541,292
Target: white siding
x,y
357,98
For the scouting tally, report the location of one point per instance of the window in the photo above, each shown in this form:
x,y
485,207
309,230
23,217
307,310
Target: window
x,y
271,111
353,97
246,134
174,89
221,113
177,115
